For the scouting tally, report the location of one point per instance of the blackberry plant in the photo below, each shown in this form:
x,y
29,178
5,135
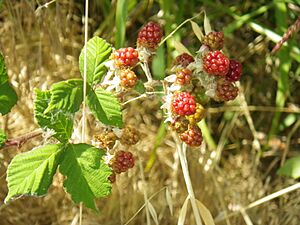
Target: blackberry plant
x,y
90,170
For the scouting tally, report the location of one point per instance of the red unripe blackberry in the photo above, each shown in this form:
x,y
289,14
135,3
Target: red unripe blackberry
x,y
226,91
198,115
214,40
180,124
183,104
183,76
235,71
106,139
216,63
192,136
125,57
130,136
184,60
149,36
128,78
122,161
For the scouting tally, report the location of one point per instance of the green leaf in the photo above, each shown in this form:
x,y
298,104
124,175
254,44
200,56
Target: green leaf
x,y
87,174
66,95
98,51
3,138
105,107
32,172
159,64
8,96
291,168
140,87
3,73
59,121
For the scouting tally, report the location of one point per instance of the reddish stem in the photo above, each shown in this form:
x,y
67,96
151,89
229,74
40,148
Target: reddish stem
x,y
19,141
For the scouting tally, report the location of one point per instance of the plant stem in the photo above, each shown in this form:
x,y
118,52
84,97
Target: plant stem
x,y
145,191
19,141
187,179
145,67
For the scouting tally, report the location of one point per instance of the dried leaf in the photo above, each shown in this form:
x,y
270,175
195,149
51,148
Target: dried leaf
x,y
183,211
207,27
205,214
152,212
197,31
169,200
180,48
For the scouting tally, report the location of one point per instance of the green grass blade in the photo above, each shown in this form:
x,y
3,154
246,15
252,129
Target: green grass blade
x,y
121,17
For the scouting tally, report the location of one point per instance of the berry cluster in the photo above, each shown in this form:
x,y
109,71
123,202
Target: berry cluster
x,y
225,70
121,161
120,75
210,74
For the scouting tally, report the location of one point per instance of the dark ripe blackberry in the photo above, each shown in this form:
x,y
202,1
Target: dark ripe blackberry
x,y
226,91
234,72
122,161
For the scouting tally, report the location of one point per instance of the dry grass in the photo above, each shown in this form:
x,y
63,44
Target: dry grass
x,y
42,47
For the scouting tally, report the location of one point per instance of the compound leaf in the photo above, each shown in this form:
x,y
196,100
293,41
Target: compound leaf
x,y
59,121
32,172
87,174
105,107
97,52
66,96
291,168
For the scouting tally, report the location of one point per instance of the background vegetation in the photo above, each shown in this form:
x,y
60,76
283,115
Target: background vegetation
x,y
248,140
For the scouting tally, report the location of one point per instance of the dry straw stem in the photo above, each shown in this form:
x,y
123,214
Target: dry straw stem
x,y
262,200
183,161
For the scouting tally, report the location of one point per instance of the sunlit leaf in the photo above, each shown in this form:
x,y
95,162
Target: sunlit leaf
x,y
98,51
87,174
31,173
